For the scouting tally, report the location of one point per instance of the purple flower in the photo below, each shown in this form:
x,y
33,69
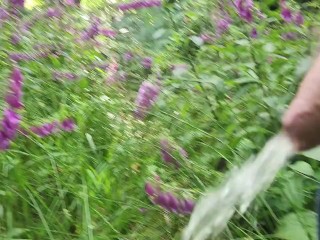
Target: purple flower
x,y
14,100
27,56
150,190
92,31
147,62
223,25
186,206
68,125
25,27
64,75
53,12
14,96
286,14
15,38
17,3
254,33
45,129
41,54
128,56
10,124
4,142
17,56
108,33
168,201
147,95
70,2
139,4
3,14
244,8
206,37
172,203
166,150
162,199
298,19
16,76
289,36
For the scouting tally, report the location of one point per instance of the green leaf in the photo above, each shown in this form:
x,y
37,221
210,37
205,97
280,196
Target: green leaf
x,y
293,191
313,153
303,167
297,226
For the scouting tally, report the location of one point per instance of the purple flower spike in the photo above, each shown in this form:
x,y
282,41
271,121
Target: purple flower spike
x,y
244,8
108,33
4,15
53,13
206,37
150,190
223,25
139,4
254,33
128,56
45,129
186,206
286,14
15,57
289,36
17,3
14,100
4,142
146,97
27,57
162,200
68,125
14,96
166,148
15,39
10,123
298,19
147,62
16,76
173,203
64,75
70,2
92,31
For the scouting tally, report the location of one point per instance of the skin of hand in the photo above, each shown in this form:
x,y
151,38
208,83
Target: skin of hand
x,y
302,119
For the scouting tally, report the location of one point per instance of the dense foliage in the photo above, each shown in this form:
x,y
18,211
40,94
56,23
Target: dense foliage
x,y
117,117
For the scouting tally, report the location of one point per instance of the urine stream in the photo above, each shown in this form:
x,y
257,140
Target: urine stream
x,y
212,213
